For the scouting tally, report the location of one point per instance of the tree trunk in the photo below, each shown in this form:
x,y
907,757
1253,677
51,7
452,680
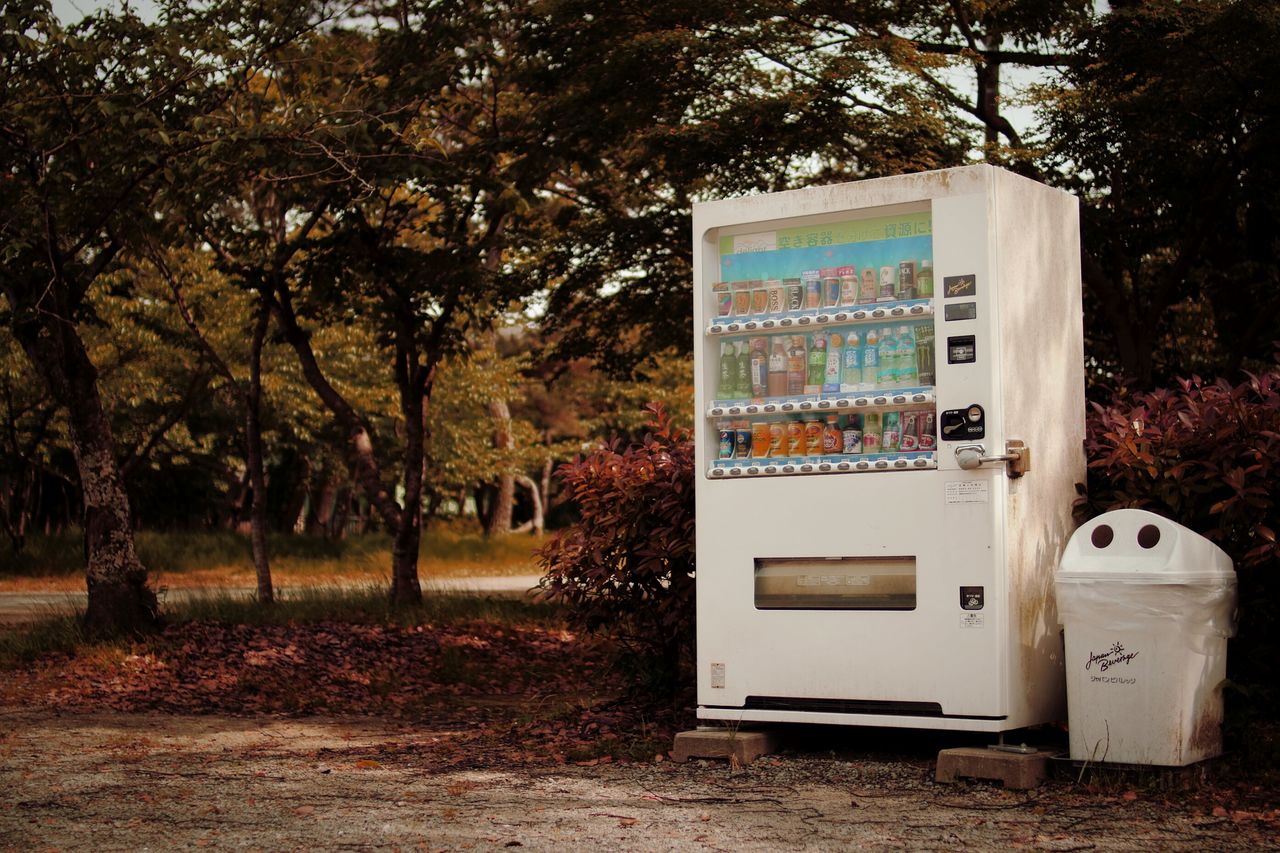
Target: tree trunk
x,y
253,447
538,524
120,601
405,588
504,498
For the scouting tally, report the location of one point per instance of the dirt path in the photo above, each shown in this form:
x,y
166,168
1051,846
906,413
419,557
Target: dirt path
x,y
116,781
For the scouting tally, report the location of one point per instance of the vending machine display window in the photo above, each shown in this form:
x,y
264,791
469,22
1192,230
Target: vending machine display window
x,y
825,342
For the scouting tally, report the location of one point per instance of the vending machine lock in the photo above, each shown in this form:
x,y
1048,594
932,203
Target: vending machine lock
x,y
1017,455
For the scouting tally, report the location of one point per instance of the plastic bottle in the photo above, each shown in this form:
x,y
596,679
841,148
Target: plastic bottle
x,y
797,368
907,375
831,436
728,389
778,369
744,370
817,365
886,375
871,360
872,430
759,367
835,355
851,373
924,279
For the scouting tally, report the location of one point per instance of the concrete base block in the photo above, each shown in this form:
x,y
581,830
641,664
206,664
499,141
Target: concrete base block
x,y
1011,768
740,747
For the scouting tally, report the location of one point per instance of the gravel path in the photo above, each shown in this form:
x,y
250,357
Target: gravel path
x,y
152,782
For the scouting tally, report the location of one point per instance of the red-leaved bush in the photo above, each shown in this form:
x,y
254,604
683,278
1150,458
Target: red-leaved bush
x,y
1207,455
626,567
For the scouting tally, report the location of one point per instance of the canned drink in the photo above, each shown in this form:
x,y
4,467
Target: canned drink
x,y
724,303
830,287
742,442
794,294
812,289
813,438
777,439
741,298
888,287
727,439
759,300
924,354
869,289
795,438
910,439
907,280
760,439
928,431
849,284
892,434
777,296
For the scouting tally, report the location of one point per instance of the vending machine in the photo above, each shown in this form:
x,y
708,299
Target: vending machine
x,y
890,397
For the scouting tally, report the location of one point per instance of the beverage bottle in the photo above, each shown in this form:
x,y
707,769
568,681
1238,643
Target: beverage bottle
x,y
890,430
744,370
835,355
817,365
872,430
728,389
907,286
759,368
851,373
797,367
886,375
851,436
924,279
871,360
778,369
924,354
831,439
906,357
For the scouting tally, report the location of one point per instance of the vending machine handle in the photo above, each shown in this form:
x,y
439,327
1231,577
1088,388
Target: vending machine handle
x,y
1018,457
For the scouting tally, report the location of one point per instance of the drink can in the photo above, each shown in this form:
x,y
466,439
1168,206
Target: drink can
x,y
777,439
727,439
925,358
907,280
812,290
910,439
795,438
760,439
741,298
928,431
742,442
869,289
724,303
892,431
759,300
888,287
851,435
813,438
794,294
849,284
777,295
830,287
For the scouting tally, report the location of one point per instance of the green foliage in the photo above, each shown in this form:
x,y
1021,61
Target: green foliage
x,y
1207,455
627,567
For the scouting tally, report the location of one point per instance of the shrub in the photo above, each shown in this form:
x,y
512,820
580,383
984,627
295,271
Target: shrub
x,y
626,568
1205,454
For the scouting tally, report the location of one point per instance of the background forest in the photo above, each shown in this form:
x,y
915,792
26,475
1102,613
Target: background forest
x,y
322,268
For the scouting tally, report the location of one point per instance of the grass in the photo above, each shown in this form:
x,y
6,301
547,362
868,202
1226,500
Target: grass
x,y
367,604
223,558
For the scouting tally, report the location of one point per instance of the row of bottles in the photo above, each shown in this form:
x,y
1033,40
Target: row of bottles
x,y
830,287
835,362
852,434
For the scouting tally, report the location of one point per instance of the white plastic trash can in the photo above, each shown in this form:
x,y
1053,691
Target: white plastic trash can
x,y
1147,606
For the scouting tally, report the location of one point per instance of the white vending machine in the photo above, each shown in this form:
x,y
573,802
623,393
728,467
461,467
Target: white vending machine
x,y
890,389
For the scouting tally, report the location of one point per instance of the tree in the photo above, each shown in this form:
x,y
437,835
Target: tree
x,y
1167,130
88,130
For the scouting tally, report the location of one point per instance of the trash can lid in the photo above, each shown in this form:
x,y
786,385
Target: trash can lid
x,y
1139,546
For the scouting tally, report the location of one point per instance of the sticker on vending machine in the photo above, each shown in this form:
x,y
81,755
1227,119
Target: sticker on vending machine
x,y
717,675
973,620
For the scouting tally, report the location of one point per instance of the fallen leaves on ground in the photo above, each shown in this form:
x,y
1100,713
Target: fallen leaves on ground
x,y
504,694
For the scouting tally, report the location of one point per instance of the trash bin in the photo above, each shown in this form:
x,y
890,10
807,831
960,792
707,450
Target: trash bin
x,y
1147,606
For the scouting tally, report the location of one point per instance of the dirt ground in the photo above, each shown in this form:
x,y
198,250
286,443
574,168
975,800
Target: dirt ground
x,y
146,781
